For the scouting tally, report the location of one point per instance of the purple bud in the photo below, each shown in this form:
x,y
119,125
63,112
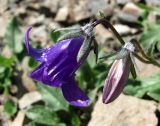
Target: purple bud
x,y
117,78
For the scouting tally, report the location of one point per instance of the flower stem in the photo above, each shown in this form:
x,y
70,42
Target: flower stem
x,y
107,24
146,58
152,61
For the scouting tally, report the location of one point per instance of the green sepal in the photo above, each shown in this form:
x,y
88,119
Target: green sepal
x,y
133,71
85,47
72,34
116,55
151,49
74,28
95,49
109,55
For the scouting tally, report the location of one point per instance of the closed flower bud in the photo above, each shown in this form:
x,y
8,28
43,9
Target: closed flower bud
x,y
118,75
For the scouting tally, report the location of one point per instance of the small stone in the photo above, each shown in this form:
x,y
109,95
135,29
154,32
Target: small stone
x,y
32,20
85,9
153,16
28,83
103,34
62,14
19,119
146,70
124,111
28,99
3,6
40,34
13,89
153,2
80,11
130,13
6,52
125,1
3,25
124,29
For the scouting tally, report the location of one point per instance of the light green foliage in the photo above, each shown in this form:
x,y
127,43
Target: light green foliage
x,y
144,87
53,97
42,115
13,36
10,107
91,75
150,35
75,121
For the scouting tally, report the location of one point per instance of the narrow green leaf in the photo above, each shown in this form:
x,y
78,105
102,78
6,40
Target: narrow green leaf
x,y
95,49
31,124
144,86
155,94
75,120
133,71
150,35
54,36
71,34
6,62
85,47
151,49
13,36
42,115
53,97
10,107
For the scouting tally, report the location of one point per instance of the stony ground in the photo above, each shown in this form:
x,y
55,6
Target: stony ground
x,y
46,15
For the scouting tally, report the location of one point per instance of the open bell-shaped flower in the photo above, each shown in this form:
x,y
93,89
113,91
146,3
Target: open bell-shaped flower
x,y
58,66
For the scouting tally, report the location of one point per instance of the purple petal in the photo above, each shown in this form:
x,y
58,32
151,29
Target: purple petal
x,y
74,95
35,53
60,62
65,48
117,78
37,74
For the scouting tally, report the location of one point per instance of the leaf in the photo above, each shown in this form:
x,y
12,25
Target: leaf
x,y
92,94
85,75
10,107
155,94
85,48
75,120
151,49
150,35
91,60
53,97
109,56
31,124
37,124
158,46
95,49
54,36
145,86
13,36
6,62
42,115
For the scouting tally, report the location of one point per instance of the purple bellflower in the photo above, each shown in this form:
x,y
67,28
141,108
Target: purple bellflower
x,y
58,66
118,74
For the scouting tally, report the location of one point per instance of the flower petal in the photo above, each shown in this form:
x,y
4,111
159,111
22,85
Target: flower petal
x,y
74,95
60,62
35,53
38,72
65,48
117,78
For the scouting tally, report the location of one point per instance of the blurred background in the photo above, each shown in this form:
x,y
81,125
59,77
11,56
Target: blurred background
x,y
24,102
